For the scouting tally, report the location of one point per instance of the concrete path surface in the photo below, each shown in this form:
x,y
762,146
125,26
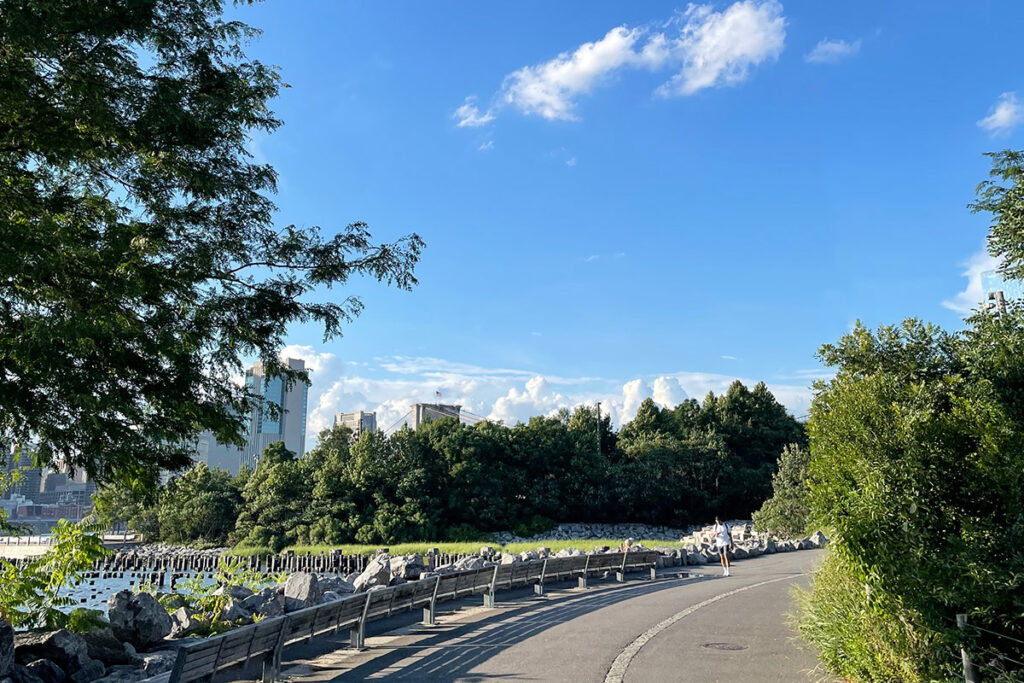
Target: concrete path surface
x,y
704,628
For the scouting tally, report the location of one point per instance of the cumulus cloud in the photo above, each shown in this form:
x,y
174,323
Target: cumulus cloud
x,y
969,299
706,48
389,386
1005,115
469,115
831,51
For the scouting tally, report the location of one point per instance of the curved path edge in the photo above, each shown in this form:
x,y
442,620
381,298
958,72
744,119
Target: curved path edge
x,y
618,668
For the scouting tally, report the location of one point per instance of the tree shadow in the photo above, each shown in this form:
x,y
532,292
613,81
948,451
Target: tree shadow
x,y
482,639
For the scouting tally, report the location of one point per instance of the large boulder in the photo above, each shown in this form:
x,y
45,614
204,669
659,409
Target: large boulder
x,y
234,592
234,613
267,603
6,647
304,587
102,645
158,662
137,618
183,623
336,585
469,562
377,573
92,670
406,566
509,558
819,540
65,649
20,674
47,671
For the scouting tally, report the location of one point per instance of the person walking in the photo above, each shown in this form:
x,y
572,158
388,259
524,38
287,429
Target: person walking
x,y
723,539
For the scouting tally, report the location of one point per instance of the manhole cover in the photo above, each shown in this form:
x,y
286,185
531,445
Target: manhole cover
x,y
724,646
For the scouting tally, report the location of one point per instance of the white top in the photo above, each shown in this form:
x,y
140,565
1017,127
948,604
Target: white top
x,y
722,530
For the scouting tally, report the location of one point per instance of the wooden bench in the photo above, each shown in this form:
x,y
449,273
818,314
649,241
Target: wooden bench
x,y
265,640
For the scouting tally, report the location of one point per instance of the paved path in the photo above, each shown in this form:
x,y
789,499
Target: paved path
x,y
704,629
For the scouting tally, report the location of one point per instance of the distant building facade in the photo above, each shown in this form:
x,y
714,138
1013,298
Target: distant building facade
x,y
998,290
264,428
358,422
424,412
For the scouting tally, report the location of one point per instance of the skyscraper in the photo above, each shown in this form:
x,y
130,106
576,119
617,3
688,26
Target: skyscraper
x,y
264,428
358,422
289,425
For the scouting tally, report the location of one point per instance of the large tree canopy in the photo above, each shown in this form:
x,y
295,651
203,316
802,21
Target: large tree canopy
x,y
139,261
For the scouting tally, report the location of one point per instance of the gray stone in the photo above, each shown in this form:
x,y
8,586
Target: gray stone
x,y
293,605
47,671
336,586
6,647
486,551
331,596
818,540
303,586
406,566
528,556
469,562
64,648
235,613
377,573
19,674
234,592
138,618
102,645
182,622
543,551
509,558
122,674
91,671
158,662
266,603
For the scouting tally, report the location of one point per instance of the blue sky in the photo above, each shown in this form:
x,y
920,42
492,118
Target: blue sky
x,y
641,199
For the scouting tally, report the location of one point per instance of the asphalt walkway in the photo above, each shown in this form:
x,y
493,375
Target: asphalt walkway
x,y
703,628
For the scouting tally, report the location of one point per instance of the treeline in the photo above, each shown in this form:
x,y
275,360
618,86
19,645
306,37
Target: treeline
x,y
449,481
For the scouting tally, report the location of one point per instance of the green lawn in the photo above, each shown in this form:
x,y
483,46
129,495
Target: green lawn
x,y
451,548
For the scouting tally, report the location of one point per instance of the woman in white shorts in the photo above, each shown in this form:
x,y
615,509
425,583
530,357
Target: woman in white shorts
x,y
723,539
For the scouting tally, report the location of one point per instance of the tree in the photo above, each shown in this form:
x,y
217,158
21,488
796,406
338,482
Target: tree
x,y
138,255
275,498
199,505
787,512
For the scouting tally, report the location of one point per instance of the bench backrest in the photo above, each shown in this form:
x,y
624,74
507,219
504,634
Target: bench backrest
x,y
204,658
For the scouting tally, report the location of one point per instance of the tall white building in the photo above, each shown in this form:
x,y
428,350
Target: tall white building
x,y
358,422
289,425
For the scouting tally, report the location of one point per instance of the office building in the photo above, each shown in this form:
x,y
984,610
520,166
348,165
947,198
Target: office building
x,y
288,425
998,290
358,422
424,412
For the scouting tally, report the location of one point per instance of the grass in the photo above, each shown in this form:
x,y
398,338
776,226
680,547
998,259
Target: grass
x,y
450,548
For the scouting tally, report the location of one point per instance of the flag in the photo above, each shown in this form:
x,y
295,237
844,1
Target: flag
x,y
437,394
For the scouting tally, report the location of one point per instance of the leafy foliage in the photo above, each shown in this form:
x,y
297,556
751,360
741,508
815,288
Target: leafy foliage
x,y
787,512
32,593
138,253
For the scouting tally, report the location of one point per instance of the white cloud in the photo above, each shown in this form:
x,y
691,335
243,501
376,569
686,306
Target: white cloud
x,y
831,51
469,116
729,358
709,49
391,385
486,146
969,299
571,161
1004,116
592,257
315,360
718,48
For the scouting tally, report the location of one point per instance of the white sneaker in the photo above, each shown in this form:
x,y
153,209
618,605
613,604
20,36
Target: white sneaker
x,y
726,572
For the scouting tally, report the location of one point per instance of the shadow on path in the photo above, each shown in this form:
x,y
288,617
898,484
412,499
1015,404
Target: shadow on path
x,y
438,657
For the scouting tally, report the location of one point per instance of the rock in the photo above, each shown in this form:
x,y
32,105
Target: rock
x,y
183,623
331,596
818,540
102,645
486,551
266,603
528,556
19,674
122,674
137,618
377,573
64,648
234,592
469,562
406,566
351,578
509,558
6,647
335,585
47,671
91,671
303,586
234,612
601,549
158,662
397,581
130,649
543,551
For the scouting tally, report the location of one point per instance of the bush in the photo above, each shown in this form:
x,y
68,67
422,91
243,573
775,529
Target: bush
x,y
787,512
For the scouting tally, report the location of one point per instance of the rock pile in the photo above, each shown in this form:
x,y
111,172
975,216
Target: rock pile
x,y
700,547
583,532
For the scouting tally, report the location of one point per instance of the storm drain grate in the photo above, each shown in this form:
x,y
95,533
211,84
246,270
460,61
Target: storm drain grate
x,y
724,646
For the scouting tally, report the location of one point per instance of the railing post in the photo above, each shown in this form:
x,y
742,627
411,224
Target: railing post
x,y
429,615
489,595
357,635
620,575
538,588
970,673
583,577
